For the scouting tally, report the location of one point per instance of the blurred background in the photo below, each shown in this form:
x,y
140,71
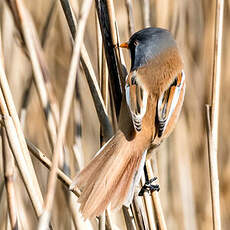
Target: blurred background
x,y
182,160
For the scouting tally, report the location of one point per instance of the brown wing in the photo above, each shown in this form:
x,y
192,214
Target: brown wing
x,y
169,105
136,98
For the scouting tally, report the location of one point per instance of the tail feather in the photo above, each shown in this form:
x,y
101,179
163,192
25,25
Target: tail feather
x,y
108,178
136,179
85,175
125,183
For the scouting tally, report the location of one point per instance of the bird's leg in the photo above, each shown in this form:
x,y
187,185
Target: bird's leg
x,y
133,80
148,186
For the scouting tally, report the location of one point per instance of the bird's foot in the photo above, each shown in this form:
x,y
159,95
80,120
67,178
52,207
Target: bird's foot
x,y
149,187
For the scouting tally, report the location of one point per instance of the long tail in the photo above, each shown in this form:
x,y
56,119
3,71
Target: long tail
x,y
109,176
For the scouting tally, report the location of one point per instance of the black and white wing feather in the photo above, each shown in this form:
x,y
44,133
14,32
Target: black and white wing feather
x,y
136,98
170,103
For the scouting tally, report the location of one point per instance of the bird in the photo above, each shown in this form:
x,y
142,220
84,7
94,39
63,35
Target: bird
x,y
151,104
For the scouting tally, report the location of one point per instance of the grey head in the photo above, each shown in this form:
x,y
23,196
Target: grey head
x,y
148,43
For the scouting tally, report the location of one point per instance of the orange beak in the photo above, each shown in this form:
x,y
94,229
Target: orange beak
x,y
124,45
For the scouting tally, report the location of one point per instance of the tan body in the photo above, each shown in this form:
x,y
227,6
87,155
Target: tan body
x,y
162,71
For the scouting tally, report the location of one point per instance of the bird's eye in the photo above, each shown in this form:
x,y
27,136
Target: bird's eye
x,y
135,43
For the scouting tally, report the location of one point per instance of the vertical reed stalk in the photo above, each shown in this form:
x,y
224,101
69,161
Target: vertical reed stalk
x,y
9,168
67,101
45,91
17,141
44,35
102,221
156,201
129,218
149,207
129,8
108,39
19,157
90,74
213,116
8,99
146,13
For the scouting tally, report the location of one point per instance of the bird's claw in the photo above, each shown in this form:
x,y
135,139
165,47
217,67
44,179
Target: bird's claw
x,y
149,187
133,80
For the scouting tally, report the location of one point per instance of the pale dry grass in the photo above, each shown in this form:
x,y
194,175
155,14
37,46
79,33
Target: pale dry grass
x,y
182,161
